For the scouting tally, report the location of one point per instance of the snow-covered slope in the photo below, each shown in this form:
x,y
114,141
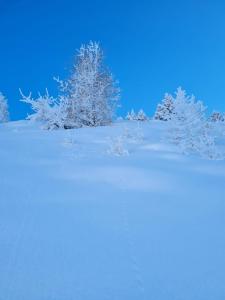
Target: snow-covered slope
x,y
80,223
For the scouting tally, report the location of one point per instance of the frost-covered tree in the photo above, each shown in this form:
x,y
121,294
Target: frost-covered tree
x,y
4,114
165,109
141,116
42,106
90,96
217,117
131,116
188,127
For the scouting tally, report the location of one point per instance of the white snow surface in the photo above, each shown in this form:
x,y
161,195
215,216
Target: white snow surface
x,y
79,223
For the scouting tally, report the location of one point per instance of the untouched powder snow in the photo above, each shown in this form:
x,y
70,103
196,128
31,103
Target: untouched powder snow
x,y
78,222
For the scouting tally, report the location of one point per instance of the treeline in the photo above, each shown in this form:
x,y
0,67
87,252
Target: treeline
x,y
90,97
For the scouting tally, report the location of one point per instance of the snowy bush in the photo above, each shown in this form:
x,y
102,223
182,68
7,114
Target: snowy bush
x,y
165,109
69,139
188,127
4,114
117,147
90,96
140,116
133,135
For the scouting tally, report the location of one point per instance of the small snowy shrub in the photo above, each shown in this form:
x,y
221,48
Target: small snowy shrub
x,y
138,135
116,147
127,133
4,114
134,135
69,140
188,127
165,109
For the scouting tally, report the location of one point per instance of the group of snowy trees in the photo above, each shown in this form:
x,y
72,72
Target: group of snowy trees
x,y
165,110
89,97
4,113
187,124
139,116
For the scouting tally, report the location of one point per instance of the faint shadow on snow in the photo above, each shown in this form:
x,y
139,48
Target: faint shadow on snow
x,y
157,147
164,151
125,178
212,170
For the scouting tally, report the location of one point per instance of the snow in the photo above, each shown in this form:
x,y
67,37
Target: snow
x,y
80,223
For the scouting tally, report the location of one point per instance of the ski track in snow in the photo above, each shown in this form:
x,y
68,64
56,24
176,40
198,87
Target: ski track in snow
x,y
13,257
132,255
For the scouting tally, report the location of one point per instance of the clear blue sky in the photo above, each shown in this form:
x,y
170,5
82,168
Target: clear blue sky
x,y
151,47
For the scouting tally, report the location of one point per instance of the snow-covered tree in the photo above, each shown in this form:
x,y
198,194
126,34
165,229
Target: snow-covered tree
x,y
217,117
4,114
42,107
90,96
141,116
131,116
188,127
165,109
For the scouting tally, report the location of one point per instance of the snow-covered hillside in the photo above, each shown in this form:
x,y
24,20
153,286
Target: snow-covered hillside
x,y
78,222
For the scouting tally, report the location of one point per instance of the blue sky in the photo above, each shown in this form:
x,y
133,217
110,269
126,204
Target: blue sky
x,y
152,47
